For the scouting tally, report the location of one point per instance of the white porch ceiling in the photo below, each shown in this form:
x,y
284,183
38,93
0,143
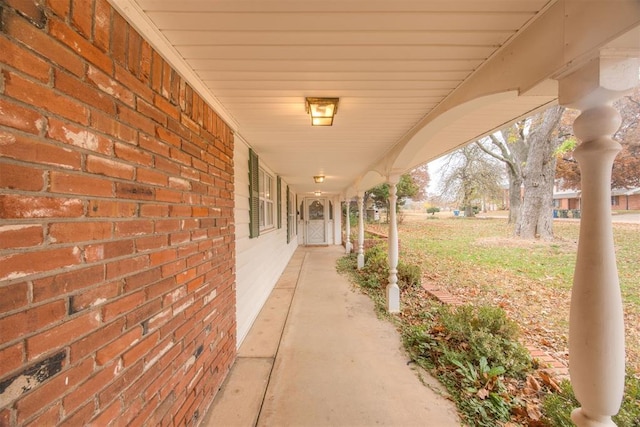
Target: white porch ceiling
x,y
391,63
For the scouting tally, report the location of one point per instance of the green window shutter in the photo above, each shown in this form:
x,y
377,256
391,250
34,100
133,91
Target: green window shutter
x,y
288,216
279,200
299,213
254,195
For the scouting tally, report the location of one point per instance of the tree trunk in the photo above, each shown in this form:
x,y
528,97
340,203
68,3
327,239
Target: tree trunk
x,y
536,219
515,198
468,198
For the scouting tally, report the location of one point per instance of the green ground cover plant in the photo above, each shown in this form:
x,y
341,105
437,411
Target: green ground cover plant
x,y
475,353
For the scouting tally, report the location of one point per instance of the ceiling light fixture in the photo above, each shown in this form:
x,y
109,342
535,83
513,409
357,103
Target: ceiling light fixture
x,y
321,110
318,193
318,179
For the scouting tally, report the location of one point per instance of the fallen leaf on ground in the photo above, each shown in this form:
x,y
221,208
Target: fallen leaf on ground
x,y
549,381
483,393
533,386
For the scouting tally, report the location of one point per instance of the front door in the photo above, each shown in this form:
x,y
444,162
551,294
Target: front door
x,y
316,222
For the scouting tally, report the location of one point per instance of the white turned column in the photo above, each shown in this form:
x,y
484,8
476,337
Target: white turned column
x,y
596,323
347,243
393,291
360,230
596,338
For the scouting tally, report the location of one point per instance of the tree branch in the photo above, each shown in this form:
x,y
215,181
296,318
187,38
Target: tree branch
x,y
506,157
491,153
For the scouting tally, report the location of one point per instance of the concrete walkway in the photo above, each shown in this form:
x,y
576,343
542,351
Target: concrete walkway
x,y
318,356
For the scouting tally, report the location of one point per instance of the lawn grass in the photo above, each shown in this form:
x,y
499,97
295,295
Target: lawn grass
x,y
477,260
484,243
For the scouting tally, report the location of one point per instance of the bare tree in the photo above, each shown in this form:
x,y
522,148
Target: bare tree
x,y
468,175
527,149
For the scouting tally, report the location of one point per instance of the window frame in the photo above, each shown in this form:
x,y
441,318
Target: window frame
x,y
266,200
291,215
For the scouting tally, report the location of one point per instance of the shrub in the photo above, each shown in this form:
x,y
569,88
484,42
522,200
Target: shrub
x,y
484,331
420,343
409,275
471,350
483,395
375,272
347,263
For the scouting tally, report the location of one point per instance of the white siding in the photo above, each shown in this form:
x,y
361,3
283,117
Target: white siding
x,y
337,222
259,261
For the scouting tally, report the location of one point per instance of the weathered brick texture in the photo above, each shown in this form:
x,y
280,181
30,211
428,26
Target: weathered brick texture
x,y
117,248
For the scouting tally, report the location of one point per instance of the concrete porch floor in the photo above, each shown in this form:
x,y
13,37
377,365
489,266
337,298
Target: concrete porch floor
x,y
317,355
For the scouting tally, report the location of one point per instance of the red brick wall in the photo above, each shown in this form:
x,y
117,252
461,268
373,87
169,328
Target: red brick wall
x,y
634,202
116,235
629,202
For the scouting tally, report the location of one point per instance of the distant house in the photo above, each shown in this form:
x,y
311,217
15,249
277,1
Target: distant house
x,y
622,199
569,199
626,199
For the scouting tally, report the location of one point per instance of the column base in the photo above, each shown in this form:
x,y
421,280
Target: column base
x,y
393,299
347,247
582,420
360,261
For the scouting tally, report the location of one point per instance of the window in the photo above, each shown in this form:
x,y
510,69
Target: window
x,y
266,200
615,200
261,204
